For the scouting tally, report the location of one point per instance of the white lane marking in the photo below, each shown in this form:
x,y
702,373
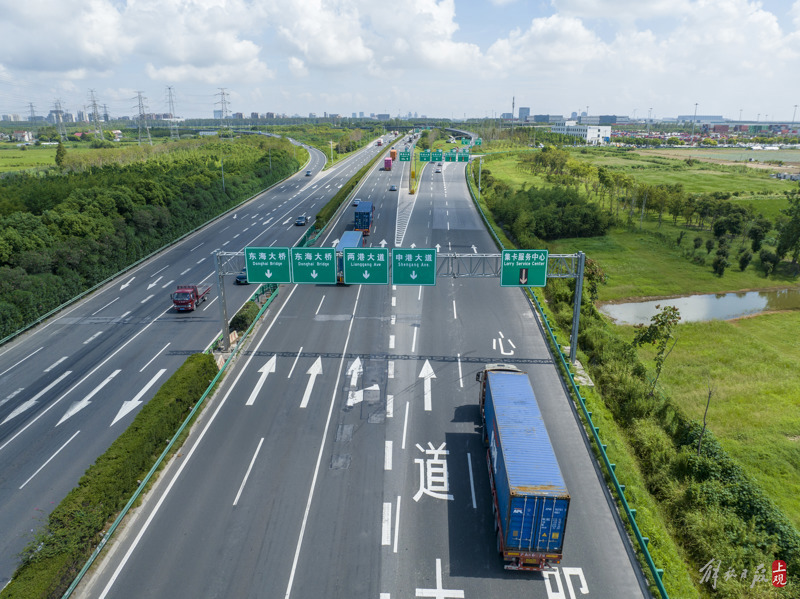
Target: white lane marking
x,y
386,524
321,449
297,357
314,371
83,403
147,299
419,294
200,260
405,428
455,314
265,371
168,284
390,368
154,357
104,307
397,524
160,269
129,406
394,301
54,364
391,341
48,459
427,374
460,374
320,305
122,316
93,337
471,481
188,457
501,334
393,319
385,596
387,456
414,341
11,396
185,271
195,247
247,474
21,361
32,401
390,406
210,303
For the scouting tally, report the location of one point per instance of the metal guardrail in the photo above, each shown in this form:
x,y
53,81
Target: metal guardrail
x,y
630,513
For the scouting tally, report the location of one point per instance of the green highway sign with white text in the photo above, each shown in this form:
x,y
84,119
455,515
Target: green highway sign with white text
x,y
414,266
524,268
366,266
267,265
404,156
424,156
314,265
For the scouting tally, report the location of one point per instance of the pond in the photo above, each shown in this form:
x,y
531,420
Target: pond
x,y
698,308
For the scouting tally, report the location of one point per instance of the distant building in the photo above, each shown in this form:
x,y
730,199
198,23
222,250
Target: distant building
x,y
361,115
217,114
721,128
237,115
354,115
254,116
23,136
591,134
709,119
506,116
589,120
383,117
11,117
312,115
547,118
83,116
269,115
524,113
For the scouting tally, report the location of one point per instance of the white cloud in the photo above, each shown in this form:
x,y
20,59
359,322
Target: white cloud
x,y
297,67
620,9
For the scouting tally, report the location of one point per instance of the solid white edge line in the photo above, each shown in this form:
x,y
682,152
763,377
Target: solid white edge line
x,y
158,353
455,314
460,374
471,481
387,456
397,524
48,459
405,428
188,457
414,340
250,467
297,357
386,524
321,450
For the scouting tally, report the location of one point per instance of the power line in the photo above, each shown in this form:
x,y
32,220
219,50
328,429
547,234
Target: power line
x,y
173,126
143,119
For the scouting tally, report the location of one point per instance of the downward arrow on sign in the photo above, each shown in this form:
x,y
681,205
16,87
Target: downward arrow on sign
x,y
265,371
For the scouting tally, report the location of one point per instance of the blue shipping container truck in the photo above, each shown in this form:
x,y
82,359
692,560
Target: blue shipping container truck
x,y
350,239
529,496
363,218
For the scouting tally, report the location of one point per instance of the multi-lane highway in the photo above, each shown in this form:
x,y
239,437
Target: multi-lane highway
x,y
353,465
69,387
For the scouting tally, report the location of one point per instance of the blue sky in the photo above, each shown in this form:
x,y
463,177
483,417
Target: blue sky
x,y
445,58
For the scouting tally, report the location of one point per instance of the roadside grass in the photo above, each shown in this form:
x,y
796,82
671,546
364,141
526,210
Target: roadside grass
x,y
751,366
13,158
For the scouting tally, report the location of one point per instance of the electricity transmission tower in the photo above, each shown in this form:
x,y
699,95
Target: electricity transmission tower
x,y
98,133
143,120
173,125
223,102
59,114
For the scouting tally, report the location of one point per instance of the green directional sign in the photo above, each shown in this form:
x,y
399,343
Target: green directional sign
x,y
524,268
404,156
478,141
465,141
314,265
414,266
366,266
424,156
436,155
267,265
463,157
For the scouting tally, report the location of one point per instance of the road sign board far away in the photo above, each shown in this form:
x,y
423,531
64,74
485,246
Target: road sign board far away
x,y
404,156
524,268
415,266
267,265
424,156
315,265
366,266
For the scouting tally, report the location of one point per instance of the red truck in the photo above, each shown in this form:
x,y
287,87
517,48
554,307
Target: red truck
x,y
187,297
387,164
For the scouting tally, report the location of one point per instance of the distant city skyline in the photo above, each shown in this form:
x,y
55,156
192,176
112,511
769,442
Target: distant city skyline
x,y
440,58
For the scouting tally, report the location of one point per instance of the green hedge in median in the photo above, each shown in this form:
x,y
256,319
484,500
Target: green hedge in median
x,y
329,209
52,560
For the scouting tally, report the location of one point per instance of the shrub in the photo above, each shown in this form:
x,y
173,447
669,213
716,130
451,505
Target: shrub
x,y
244,317
744,259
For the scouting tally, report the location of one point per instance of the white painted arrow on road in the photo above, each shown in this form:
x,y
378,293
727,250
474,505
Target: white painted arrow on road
x,y
335,242
154,283
79,405
357,396
125,285
314,372
32,401
129,406
474,250
413,245
427,374
438,247
355,370
383,243
265,371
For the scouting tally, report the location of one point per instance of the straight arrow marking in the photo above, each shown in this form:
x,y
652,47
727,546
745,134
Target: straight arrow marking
x,y
265,371
354,370
129,406
79,405
314,372
427,374
31,402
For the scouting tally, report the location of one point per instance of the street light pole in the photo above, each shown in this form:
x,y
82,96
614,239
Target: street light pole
x,y
331,151
694,120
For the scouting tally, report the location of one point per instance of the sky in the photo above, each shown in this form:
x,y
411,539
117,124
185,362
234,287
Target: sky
x,y
439,58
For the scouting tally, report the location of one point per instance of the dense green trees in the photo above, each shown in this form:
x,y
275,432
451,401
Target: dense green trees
x,y
65,232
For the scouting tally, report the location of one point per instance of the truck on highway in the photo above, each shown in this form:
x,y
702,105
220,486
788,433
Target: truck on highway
x,y
350,239
530,500
364,217
380,143
393,154
187,297
387,164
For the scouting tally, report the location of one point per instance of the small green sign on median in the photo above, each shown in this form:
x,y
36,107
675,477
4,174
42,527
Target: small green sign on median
x,y
416,266
267,265
524,268
366,266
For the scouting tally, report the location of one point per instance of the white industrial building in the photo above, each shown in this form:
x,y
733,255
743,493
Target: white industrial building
x,y
591,134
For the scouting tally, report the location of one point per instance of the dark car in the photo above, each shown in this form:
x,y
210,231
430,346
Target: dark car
x,y
241,278
393,188
301,221
308,173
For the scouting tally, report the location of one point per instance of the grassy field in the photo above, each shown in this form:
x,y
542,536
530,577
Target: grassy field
x,y
751,365
13,158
